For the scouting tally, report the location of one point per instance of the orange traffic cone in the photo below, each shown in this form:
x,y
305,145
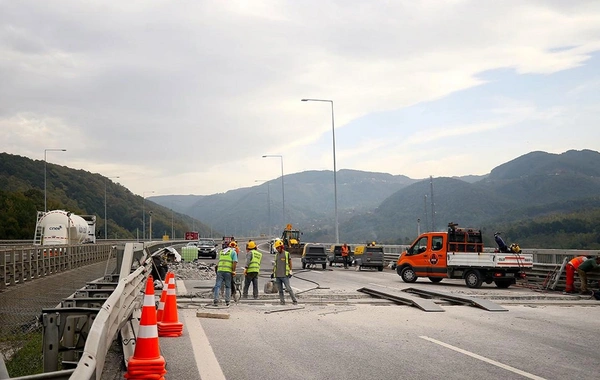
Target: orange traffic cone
x,y
170,326
146,362
163,298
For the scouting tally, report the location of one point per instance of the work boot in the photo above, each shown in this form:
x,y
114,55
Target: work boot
x,y
245,296
295,302
282,302
215,303
227,304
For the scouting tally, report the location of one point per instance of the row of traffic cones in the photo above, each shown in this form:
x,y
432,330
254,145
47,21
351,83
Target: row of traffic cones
x,y
147,362
168,322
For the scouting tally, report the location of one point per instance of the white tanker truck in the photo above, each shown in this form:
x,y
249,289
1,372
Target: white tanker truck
x,y
62,227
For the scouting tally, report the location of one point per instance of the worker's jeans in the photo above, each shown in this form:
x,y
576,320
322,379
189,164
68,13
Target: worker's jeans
x,y
251,277
280,281
223,278
583,279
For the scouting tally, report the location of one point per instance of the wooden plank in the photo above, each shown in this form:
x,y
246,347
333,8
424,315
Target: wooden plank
x,y
205,314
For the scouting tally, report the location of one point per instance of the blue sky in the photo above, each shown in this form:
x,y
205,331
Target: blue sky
x,y
186,97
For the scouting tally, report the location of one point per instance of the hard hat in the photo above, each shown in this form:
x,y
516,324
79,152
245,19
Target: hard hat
x,y
233,244
373,243
277,244
251,245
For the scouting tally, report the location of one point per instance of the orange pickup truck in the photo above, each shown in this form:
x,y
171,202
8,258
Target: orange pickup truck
x,y
458,254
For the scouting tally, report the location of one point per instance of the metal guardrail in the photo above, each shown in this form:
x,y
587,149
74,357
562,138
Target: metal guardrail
x,y
116,313
19,264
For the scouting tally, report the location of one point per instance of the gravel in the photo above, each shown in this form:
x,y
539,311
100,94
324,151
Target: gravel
x,y
195,270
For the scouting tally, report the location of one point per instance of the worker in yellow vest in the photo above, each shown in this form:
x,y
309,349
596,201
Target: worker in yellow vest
x,y
253,259
282,271
225,269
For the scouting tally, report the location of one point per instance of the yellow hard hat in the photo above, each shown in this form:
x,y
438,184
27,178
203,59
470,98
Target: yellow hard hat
x,y
251,245
233,244
277,244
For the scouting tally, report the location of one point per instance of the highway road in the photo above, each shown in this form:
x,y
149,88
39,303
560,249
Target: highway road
x,y
338,333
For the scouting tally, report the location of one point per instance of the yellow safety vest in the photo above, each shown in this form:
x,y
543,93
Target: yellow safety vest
x,y
287,264
225,261
254,265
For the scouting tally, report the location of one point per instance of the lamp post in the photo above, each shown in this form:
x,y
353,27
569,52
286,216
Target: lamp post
x,y
150,237
48,150
337,231
105,214
282,186
172,224
144,214
268,201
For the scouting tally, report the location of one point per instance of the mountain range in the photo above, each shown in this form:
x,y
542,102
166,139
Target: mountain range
x,y
540,199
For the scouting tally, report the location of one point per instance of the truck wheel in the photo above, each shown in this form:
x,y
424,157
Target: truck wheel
x,y
503,284
473,279
380,268
324,266
408,275
435,280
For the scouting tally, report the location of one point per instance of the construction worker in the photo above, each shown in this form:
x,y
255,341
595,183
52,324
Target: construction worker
x,y
253,259
225,269
570,269
587,266
282,271
345,254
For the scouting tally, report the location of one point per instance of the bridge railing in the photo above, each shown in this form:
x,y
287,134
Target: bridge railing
x,y
19,264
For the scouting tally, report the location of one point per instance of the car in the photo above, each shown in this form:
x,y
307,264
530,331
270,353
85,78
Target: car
x,y
334,255
207,247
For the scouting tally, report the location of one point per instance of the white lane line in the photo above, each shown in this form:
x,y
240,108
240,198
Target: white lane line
x,y
180,288
482,358
203,352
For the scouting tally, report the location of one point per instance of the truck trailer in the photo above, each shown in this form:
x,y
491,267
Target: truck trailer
x,y
63,227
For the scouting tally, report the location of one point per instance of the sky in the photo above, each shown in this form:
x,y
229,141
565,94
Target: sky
x,y
185,97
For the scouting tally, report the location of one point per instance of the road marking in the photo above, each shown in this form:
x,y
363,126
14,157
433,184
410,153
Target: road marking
x,y
180,286
203,352
482,358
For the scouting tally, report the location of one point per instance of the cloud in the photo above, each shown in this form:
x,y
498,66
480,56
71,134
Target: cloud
x,y
172,95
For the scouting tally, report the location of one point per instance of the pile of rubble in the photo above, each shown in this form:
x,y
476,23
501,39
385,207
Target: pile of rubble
x,y
194,270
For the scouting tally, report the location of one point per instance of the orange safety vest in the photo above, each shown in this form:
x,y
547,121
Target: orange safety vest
x,y
345,250
576,262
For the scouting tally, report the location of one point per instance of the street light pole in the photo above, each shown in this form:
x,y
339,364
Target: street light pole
x,y
282,186
268,201
172,224
48,150
105,214
144,214
337,225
